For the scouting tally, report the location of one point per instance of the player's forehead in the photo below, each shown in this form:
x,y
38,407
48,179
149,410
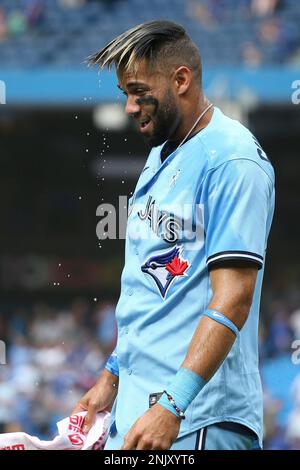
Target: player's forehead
x,y
140,74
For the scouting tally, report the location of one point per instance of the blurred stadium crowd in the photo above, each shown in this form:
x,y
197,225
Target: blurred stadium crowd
x,y
64,32
55,354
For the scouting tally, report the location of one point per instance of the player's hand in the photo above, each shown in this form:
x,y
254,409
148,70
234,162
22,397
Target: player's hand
x,y
157,429
99,398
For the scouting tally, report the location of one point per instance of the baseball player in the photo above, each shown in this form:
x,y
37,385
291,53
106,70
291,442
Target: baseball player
x,y
184,374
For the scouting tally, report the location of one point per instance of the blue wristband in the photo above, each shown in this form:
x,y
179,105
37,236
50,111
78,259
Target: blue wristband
x,y
220,318
184,388
112,364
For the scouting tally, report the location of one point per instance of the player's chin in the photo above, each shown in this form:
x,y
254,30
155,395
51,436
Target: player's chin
x,y
153,139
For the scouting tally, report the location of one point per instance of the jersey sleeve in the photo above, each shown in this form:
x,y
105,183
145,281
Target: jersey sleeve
x,y
237,207
112,364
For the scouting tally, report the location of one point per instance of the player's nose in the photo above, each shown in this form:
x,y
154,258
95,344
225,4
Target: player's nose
x,y
131,106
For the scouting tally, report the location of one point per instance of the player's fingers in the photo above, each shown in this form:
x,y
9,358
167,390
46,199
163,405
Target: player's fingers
x,y
144,444
130,442
89,418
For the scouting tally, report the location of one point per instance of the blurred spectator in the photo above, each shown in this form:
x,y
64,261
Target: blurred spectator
x,y
207,13
274,40
34,12
19,352
16,23
272,432
270,32
294,59
109,4
80,310
251,55
295,324
8,398
264,7
293,430
293,424
3,26
17,323
106,326
71,3
280,333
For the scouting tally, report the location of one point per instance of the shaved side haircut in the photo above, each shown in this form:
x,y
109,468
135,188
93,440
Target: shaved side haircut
x,y
159,43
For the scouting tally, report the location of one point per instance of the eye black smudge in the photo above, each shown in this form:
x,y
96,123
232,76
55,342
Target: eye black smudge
x,y
148,100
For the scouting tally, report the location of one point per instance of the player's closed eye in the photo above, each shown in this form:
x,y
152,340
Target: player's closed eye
x,y
139,92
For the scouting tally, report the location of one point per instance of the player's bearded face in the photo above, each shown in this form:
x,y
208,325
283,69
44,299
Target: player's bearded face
x,y
158,119
151,102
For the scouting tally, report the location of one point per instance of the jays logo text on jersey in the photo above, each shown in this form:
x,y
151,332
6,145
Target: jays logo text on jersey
x,y
165,268
162,223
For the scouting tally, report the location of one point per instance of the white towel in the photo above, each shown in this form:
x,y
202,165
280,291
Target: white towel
x,y
70,436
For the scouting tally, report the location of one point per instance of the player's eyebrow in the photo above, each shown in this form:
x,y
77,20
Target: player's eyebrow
x,y
137,84
132,85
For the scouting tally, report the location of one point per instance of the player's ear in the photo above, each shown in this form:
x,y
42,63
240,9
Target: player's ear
x,y
182,78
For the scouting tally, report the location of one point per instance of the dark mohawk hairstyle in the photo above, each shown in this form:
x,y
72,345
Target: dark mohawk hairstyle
x,y
141,42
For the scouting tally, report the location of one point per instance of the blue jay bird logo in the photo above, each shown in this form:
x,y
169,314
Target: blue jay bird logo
x,y
166,267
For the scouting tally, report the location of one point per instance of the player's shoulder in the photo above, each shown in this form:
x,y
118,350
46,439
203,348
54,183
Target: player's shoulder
x,y
227,140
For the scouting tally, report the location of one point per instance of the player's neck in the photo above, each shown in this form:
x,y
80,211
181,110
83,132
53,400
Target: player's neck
x,y
189,120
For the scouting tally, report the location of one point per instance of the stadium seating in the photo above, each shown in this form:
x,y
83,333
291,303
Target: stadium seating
x,y
63,37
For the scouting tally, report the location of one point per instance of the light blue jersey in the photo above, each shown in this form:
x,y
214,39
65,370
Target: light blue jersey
x,y
210,201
